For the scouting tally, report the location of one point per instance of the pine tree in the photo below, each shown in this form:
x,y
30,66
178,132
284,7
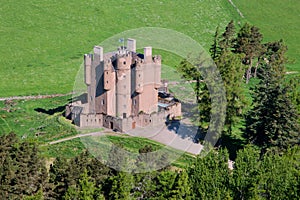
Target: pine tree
x,y
191,72
121,186
210,176
248,42
231,71
273,121
247,174
144,185
227,41
165,183
294,91
280,176
181,188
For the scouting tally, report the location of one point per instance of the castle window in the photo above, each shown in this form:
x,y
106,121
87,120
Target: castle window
x,y
139,75
102,102
106,72
124,63
106,81
134,102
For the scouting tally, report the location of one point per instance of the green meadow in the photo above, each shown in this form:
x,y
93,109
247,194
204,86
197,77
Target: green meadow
x,y
39,119
277,20
43,42
71,148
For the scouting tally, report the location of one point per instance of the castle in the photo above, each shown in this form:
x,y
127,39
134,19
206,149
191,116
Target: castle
x,y
124,91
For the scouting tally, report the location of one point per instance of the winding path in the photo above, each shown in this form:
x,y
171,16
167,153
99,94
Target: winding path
x,y
34,97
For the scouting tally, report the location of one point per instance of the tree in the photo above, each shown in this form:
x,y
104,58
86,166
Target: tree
x,y
22,171
273,121
247,174
294,91
227,41
280,175
191,72
121,186
248,42
164,184
85,189
231,71
210,176
181,188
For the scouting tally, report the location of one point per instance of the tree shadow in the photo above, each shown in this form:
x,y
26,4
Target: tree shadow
x,y
82,98
185,131
232,144
51,111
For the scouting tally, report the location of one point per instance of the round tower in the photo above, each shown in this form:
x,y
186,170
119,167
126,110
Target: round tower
x,y
123,87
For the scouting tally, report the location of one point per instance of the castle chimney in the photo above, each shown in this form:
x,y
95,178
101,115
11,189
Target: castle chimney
x,y
131,45
148,54
98,54
87,68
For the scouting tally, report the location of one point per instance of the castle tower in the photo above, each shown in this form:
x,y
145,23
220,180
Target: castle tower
x,y
97,60
109,82
139,77
88,59
148,96
123,85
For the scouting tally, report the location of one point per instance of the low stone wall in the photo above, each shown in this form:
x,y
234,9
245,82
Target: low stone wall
x,y
90,120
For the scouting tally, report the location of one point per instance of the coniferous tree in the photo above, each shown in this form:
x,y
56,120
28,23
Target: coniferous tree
x,y
210,176
121,186
164,184
294,91
248,42
181,188
191,72
231,71
247,174
227,41
273,121
280,175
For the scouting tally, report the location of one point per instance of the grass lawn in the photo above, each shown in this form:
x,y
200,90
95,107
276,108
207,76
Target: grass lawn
x,y
73,147
39,119
277,19
43,42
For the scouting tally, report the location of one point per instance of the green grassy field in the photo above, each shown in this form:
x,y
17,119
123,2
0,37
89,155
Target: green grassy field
x,y
277,19
43,42
71,148
39,119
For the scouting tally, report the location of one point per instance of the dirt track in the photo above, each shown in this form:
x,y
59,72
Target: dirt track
x,y
33,97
